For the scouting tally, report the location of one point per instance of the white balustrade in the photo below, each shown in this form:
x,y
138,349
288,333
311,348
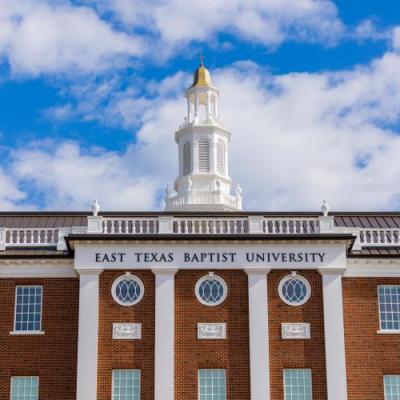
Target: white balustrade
x,y
210,226
26,237
379,237
130,226
290,226
196,225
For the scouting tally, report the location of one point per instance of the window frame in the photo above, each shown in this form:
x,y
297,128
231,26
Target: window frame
x,y
212,369
297,369
294,275
20,376
126,369
385,330
203,278
28,332
120,278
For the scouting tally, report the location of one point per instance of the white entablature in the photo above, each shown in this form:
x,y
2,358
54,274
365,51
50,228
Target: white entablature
x,y
203,183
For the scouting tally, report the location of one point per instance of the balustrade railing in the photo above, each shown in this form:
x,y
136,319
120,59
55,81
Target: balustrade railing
x,y
380,237
24,237
130,226
291,226
196,225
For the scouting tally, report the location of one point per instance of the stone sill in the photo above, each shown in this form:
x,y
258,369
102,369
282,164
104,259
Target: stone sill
x,y
27,333
387,332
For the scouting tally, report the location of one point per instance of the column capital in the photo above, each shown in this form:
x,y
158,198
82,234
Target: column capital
x,y
95,272
332,271
164,271
257,271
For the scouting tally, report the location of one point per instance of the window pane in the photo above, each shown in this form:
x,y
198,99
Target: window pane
x,y
212,384
28,308
392,387
126,384
297,384
24,388
389,306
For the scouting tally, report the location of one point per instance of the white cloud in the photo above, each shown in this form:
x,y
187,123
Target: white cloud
x,y
269,22
51,37
10,195
69,178
297,139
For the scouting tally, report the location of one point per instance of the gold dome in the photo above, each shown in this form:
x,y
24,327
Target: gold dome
x,y
201,77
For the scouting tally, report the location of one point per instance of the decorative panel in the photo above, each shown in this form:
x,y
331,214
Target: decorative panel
x,y
211,331
127,331
296,331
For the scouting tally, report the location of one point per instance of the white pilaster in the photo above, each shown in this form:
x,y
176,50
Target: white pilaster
x,y
334,335
164,335
258,334
88,335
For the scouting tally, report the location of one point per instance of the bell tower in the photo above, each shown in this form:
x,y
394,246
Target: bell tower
x,y
203,183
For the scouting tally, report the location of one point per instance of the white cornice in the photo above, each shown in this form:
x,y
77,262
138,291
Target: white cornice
x,y
370,268
37,269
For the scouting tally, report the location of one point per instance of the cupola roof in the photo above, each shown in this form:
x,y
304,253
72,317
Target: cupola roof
x,y
201,77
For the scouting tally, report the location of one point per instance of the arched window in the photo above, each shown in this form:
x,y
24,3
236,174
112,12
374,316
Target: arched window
x,y
187,158
221,157
204,155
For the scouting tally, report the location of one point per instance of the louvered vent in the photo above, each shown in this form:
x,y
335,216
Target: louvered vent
x,y
187,159
221,158
204,156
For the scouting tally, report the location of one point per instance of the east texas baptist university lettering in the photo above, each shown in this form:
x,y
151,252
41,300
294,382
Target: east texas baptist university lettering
x,y
211,257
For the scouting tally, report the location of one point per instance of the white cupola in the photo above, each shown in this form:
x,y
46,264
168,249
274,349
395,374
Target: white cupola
x,y
203,183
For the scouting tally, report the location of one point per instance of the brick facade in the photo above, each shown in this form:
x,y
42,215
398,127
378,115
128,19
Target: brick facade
x,y
52,356
231,354
369,355
296,353
129,354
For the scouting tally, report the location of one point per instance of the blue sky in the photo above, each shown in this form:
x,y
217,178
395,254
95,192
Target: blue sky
x,y
91,93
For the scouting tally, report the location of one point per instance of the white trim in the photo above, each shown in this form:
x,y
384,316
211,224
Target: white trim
x,y
25,376
259,335
311,380
126,369
88,335
37,269
27,333
15,309
301,278
372,268
164,342
219,279
135,278
388,332
334,336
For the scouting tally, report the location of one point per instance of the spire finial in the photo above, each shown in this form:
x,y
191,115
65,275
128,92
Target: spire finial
x,y
201,57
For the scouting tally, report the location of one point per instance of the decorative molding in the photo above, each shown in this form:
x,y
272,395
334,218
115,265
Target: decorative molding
x,y
37,269
211,331
127,331
296,330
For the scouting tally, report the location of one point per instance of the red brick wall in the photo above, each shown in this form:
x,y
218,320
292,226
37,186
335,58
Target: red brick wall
x,y
231,354
52,356
126,354
369,355
297,353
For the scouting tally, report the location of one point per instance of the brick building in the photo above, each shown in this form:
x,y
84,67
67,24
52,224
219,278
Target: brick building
x,y
202,301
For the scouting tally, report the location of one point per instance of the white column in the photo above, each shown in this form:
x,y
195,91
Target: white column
x,y
164,335
88,335
258,334
334,335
